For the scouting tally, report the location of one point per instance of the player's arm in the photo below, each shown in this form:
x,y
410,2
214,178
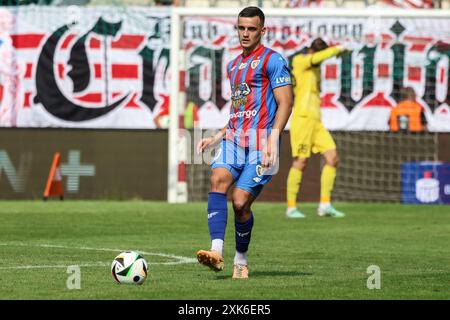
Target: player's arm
x,y
281,82
320,56
285,100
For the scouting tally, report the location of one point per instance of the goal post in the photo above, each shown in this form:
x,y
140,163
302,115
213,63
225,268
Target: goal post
x,y
175,32
370,76
176,191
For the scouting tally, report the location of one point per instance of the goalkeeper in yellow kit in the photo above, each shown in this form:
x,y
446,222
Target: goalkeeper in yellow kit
x,y
307,131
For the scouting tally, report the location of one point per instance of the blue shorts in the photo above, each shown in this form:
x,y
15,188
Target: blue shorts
x,y
244,164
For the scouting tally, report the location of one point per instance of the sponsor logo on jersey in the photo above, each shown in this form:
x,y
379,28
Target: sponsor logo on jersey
x,y
242,66
244,114
281,80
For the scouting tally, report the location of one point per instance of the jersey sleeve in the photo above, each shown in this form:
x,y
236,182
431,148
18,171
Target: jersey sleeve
x,y
278,71
323,55
229,65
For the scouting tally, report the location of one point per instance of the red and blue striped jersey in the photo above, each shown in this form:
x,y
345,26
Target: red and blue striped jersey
x,y
253,105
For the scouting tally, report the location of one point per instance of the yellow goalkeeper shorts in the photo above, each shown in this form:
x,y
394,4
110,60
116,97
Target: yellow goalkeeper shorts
x,y
309,135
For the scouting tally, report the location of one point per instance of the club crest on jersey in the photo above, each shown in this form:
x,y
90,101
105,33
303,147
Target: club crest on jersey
x,y
242,66
254,64
259,170
239,94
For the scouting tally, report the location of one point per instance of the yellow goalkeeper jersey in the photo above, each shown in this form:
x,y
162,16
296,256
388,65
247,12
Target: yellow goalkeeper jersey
x,y
306,73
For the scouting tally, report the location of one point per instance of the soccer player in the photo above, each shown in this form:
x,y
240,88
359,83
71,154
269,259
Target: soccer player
x,y
307,131
262,98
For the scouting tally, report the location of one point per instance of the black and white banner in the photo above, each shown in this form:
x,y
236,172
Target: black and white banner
x,y
108,67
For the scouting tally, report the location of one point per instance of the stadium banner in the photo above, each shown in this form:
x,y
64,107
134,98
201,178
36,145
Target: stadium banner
x,y
108,67
426,182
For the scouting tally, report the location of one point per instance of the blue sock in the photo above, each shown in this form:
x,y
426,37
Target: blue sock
x,y
243,234
217,215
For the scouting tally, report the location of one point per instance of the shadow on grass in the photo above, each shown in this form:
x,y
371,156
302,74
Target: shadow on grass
x,y
262,274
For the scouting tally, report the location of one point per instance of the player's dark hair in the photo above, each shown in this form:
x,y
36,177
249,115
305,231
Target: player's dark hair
x,y
318,45
408,93
250,12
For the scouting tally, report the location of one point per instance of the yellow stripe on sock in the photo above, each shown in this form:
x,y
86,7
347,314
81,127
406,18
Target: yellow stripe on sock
x,y
292,203
325,199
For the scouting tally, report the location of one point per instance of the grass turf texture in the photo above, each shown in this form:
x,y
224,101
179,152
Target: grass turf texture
x,y
312,258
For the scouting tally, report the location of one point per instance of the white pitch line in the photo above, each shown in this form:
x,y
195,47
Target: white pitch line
x,y
180,259
100,264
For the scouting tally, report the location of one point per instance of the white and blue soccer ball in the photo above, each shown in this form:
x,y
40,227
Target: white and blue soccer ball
x,y
129,267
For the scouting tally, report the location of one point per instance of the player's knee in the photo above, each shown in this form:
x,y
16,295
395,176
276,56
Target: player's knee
x,y
217,182
332,160
240,205
300,164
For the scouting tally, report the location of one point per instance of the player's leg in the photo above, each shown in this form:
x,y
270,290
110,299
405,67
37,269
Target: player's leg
x,y
225,170
243,222
301,134
326,145
221,180
248,186
293,186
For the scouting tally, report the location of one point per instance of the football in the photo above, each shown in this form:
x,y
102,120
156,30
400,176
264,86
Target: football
x,y
129,267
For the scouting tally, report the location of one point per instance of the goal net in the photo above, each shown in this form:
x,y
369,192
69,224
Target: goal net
x,y
394,56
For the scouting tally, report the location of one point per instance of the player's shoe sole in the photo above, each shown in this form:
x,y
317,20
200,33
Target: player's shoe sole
x,y
211,259
240,272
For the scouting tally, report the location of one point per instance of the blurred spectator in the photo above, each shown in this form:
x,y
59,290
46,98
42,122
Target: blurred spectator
x,y
191,116
161,119
414,4
175,3
408,115
303,3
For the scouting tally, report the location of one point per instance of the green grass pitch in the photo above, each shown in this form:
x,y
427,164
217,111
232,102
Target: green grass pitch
x,y
312,258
